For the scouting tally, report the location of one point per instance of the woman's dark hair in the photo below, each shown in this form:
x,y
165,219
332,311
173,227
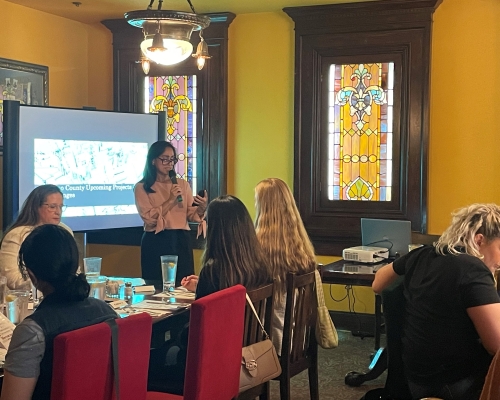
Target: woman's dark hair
x,y
28,215
50,253
232,246
149,174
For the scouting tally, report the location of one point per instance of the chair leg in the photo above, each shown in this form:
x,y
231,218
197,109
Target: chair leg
x,y
285,387
313,381
266,392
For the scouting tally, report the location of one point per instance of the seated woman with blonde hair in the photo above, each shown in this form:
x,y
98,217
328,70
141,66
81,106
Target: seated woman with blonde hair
x,y
284,241
452,309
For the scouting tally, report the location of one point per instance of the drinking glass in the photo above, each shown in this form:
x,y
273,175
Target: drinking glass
x,y
97,287
17,305
92,266
169,272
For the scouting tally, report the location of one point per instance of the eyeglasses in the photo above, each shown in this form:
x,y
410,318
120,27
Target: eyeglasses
x,y
166,161
54,207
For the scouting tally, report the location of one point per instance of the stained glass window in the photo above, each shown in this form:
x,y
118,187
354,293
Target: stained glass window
x,y
360,119
177,95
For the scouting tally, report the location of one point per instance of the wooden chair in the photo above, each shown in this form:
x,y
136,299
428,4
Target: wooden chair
x,y
299,349
262,299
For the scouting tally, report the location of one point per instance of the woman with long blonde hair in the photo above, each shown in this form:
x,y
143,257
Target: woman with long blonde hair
x,y
284,241
452,308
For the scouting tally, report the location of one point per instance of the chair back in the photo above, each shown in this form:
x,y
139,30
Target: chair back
x,y
299,349
491,388
263,302
134,340
214,345
82,366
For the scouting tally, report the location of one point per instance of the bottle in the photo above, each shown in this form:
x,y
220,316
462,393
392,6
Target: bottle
x,y
128,290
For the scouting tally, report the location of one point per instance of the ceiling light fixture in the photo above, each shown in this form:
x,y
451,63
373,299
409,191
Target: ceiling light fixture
x,y
167,35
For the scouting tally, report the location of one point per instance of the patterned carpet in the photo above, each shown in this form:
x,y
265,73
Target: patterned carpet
x,y
353,354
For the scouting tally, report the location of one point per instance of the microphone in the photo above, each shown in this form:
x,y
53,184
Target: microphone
x,y
173,178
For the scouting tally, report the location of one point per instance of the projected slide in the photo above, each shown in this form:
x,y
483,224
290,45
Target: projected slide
x,y
96,177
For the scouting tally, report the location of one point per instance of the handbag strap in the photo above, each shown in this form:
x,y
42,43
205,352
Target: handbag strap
x,y
319,289
114,352
257,316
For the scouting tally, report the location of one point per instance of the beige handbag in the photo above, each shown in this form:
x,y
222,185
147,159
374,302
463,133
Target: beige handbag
x,y
259,361
326,334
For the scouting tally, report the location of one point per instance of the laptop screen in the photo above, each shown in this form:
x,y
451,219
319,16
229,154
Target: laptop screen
x,y
394,235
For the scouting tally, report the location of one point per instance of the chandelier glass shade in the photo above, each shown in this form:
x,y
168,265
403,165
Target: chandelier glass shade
x,y
167,34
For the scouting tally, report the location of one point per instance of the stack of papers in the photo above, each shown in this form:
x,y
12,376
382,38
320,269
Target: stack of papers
x,y
156,308
178,293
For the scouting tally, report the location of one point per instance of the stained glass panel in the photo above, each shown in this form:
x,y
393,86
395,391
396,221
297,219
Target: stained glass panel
x,y
360,130
177,95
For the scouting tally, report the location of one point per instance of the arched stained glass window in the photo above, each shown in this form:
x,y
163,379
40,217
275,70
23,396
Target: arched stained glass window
x,y
177,96
360,128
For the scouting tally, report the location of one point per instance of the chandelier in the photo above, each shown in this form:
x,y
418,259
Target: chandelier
x,y
167,35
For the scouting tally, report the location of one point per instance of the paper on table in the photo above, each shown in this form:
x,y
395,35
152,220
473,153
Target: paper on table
x,y
142,289
179,293
156,305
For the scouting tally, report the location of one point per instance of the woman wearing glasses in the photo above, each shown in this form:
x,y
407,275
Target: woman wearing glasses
x,y
44,205
166,207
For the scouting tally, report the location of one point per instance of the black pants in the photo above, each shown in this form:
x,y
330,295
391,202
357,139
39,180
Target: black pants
x,y
168,242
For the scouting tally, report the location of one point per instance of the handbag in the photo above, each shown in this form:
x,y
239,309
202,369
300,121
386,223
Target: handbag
x,y
326,334
259,361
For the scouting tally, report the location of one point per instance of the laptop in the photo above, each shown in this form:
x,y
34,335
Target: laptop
x,y
394,235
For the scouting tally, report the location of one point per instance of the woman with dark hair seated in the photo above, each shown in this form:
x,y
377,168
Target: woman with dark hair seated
x,y
49,256
232,254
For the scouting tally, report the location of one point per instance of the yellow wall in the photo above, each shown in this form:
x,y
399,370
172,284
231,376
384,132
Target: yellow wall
x,y
79,56
463,152
260,142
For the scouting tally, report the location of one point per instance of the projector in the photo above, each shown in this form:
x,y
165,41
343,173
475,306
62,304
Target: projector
x,y
365,254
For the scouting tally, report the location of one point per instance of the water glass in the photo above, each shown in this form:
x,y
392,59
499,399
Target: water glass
x,y
92,266
169,272
17,305
97,287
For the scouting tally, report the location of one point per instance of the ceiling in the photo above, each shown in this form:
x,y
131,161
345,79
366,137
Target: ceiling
x,y
92,11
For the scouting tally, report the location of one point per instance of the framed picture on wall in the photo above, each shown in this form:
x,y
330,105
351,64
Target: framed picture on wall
x,y
22,81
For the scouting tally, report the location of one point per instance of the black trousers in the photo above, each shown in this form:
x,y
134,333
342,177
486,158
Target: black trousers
x,y
168,242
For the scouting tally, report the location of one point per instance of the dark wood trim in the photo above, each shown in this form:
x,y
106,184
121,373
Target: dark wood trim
x,y
396,31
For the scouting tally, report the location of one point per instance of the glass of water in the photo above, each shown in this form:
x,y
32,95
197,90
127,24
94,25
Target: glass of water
x,y
169,272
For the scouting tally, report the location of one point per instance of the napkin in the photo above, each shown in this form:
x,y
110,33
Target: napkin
x,y
142,289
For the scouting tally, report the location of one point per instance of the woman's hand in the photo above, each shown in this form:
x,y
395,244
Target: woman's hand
x,y
175,191
190,282
201,202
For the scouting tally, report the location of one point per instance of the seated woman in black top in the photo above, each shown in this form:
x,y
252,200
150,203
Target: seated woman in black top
x,y
232,254
49,256
452,309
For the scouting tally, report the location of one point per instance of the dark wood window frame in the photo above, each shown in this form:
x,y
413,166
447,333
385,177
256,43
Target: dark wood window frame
x,y
212,85
396,31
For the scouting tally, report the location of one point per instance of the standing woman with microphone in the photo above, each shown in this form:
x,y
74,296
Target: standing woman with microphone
x,y
166,204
